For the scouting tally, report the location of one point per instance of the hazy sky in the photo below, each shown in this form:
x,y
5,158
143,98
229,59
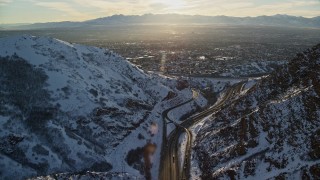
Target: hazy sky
x,y
29,11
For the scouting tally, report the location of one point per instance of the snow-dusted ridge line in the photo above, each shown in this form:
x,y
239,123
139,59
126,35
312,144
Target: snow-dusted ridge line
x,y
98,107
271,131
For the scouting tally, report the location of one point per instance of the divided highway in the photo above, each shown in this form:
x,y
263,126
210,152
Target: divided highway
x,y
170,165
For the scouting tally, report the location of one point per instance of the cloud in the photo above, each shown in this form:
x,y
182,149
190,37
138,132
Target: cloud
x,y
158,6
79,10
298,8
65,8
5,2
252,8
110,7
101,8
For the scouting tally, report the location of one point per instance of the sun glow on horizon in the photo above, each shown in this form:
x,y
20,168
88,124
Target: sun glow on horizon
x,y
32,11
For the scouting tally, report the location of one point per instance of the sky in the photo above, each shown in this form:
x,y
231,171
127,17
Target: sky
x,y
32,11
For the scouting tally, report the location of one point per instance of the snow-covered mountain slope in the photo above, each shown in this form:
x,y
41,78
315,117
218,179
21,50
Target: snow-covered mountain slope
x,y
69,108
271,132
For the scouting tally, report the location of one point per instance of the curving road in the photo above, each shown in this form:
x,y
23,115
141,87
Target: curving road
x,y
168,152
169,165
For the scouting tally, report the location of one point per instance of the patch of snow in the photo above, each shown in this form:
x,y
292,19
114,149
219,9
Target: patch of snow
x,y
182,148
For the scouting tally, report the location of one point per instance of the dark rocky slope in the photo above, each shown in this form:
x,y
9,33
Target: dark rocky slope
x,y
271,132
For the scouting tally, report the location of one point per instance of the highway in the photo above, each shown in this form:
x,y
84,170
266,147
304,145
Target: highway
x,y
170,165
167,153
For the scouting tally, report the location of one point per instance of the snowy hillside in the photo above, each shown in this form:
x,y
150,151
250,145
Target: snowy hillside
x,y
70,108
271,131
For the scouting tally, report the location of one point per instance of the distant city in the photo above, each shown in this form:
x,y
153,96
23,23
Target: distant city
x,y
189,50
213,51
175,44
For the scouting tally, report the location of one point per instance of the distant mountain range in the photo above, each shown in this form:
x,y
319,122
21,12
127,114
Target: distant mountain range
x,y
119,20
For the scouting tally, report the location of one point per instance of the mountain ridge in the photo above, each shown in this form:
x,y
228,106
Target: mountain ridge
x,y
269,132
72,108
114,20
